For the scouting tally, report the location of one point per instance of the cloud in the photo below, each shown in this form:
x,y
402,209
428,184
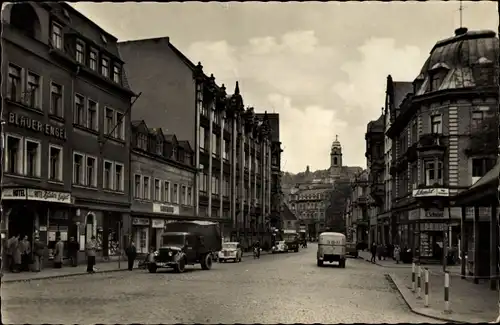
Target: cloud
x,y
320,91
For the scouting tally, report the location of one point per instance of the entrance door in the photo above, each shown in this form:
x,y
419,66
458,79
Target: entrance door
x,y
21,221
142,240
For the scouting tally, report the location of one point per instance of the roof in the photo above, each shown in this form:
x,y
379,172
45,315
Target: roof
x,y
401,89
288,215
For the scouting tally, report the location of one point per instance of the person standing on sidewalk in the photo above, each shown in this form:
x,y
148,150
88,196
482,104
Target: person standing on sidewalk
x,y
73,251
25,247
58,253
91,249
131,252
373,250
10,253
16,254
397,253
38,252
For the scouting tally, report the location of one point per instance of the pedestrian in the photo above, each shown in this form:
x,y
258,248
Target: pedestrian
x,y
25,247
91,249
73,251
397,253
58,253
131,252
374,252
16,255
38,252
10,253
380,250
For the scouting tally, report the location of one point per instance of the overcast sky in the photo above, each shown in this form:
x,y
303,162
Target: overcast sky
x,y
321,66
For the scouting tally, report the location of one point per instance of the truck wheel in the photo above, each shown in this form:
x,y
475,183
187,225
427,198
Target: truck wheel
x,y
152,268
181,266
320,262
206,262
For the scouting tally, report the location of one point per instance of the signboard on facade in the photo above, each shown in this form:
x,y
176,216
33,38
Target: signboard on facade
x,y
49,196
37,126
158,223
140,221
165,208
428,192
14,194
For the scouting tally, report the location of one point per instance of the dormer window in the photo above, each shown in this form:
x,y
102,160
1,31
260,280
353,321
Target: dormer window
x,y
174,153
116,74
435,81
159,147
105,67
80,52
57,38
142,141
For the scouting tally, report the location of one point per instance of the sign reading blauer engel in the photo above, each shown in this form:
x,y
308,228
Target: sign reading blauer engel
x,y
37,126
427,192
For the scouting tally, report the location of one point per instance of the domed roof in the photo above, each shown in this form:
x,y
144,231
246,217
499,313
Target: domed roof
x,y
336,143
459,55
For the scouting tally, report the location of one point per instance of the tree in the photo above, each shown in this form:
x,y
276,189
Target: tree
x,y
336,208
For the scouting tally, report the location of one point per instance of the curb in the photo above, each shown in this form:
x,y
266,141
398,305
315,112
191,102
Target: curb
x,y
63,276
415,311
386,266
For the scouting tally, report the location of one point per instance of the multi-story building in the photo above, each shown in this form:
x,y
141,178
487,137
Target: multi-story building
x,y
359,219
163,176
232,149
65,105
309,203
433,133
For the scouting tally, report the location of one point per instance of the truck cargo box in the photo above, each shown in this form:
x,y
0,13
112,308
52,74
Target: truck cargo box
x,y
209,230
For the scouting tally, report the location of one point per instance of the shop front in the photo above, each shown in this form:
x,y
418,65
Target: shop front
x,y
140,234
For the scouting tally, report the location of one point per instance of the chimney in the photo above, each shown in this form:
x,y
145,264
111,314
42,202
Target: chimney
x,y
461,31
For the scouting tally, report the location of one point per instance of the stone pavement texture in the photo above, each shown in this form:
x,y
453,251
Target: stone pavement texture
x,y
282,288
469,302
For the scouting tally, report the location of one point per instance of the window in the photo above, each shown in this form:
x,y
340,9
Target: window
x,y
105,67
119,177
215,185
78,169
215,145
436,124
183,195
159,147
204,183
57,38
14,83
108,175
166,191
108,125
189,198
14,156
227,188
480,166
32,158
227,150
91,177
157,190
202,138
56,100
120,126
174,153
146,194
414,132
137,186
33,94
80,52
175,194
79,110
55,163
433,173
142,141
435,81
476,120
93,60
116,74
92,115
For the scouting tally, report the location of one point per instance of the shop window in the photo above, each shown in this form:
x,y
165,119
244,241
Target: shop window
x,y
166,191
109,122
175,193
80,52
14,83
146,190
93,59
436,124
433,172
137,186
108,175
79,113
157,194
119,177
120,126
92,115
33,91
14,156
78,168
55,163
91,174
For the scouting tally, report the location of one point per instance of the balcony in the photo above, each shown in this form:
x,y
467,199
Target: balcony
x,y
431,145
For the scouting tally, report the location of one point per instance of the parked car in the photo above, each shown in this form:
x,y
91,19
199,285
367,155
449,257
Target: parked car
x,y
230,251
280,247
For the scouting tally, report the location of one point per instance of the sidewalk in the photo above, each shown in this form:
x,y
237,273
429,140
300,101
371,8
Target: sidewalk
x,y
65,271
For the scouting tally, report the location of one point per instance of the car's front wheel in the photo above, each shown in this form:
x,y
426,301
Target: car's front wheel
x,y
152,268
181,266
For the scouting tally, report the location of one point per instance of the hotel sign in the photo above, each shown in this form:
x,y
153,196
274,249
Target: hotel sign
x,y
165,209
37,126
430,192
36,195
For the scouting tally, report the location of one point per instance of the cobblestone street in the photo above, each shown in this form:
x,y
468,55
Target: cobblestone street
x,y
286,288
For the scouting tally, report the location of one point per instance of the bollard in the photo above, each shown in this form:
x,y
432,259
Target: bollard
x,y
426,287
419,282
447,292
413,276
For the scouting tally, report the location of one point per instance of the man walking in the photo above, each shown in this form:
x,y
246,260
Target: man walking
x,y
38,252
131,252
91,250
73,251
373,250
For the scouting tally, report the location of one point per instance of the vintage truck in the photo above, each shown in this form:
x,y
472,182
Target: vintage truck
x,y
187,243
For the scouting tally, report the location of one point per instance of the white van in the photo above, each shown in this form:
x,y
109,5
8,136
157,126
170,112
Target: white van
x,y
331,248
